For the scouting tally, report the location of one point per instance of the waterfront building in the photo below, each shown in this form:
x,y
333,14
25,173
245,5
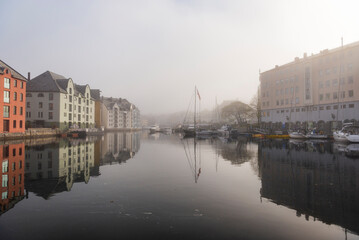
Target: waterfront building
x,y
117,113
12,175
12,100
317,89
56,101
96,95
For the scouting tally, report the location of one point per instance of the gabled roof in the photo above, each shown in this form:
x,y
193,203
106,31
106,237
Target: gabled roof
x,y
81,89
48,82
14,73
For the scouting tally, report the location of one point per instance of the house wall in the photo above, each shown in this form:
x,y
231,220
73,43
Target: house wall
x,y
19,116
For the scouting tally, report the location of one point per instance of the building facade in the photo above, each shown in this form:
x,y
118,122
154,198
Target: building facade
x,y
12,100
323,87
57,102
119,114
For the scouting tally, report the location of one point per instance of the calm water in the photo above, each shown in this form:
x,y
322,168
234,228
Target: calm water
x,y
140,186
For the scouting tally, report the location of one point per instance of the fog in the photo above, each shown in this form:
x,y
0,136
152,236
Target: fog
x,y
154,53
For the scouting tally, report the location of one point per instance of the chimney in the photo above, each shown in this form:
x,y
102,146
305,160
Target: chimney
x,y
28,76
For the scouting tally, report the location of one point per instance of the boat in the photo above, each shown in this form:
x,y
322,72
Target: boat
x,y
192,130
154,129
352,150
166,130
314,134
349,133
224,131
296,135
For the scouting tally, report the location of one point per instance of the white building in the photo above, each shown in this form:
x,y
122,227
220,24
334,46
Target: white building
x,y
119,114
56,101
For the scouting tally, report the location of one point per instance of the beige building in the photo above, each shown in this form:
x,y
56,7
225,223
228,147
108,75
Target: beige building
x,y
320,88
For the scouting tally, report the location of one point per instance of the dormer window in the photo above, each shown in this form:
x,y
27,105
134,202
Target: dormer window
x,y
70,90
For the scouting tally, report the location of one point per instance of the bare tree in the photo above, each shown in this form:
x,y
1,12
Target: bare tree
x,y
237,111
256,106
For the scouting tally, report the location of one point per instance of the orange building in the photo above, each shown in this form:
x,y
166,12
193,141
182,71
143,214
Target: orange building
x,y
12,100
12,158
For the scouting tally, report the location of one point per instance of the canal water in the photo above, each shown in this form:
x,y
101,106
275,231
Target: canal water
x,y
142,186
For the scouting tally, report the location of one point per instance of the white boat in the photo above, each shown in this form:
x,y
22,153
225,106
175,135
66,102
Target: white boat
x,y
224,131
315,135
154,128
352,150
296,135
349,133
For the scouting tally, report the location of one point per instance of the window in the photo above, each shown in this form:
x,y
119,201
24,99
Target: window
x,y
21,97
40,95
28,95
79,100
327,96
4,181
6,111
7,83
15,83
351,93
335,82
40,104
51,106
50,115
21,110
344,106
335,107
51,96
21,84
328,107
14,125
297,110
320,97
70,107
351,105
28,114
65,105
6,96
321,108
15,96
70,98
14,110
20,127
28,104
70,90
321,84
70,116
296,100
350,79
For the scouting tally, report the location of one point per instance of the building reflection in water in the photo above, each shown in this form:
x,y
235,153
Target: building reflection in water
x,y
313,178
54,167
12,175
118,147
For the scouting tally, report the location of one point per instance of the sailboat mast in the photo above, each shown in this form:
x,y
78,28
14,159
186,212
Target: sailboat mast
x,y
194,115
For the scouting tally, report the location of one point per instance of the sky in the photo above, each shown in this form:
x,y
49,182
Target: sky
x,y
154,53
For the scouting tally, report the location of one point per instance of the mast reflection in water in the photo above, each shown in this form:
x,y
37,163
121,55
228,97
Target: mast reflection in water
x,y
312,178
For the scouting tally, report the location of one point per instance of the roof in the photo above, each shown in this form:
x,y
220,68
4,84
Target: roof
x,y
14,73
48,82
96,94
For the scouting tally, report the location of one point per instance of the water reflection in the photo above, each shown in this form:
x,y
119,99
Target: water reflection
x,y
118,147
12,175
312,177
54,167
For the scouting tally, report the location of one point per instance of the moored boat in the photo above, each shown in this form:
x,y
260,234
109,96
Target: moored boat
x,y
349,133
314,134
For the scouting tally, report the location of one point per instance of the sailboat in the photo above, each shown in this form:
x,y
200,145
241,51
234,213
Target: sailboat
x,y
191,130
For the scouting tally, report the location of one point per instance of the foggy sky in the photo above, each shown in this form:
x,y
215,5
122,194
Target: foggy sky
x,y
154,52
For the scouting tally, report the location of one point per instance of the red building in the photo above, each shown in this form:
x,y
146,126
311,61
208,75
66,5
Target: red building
x,y
12,158
12,100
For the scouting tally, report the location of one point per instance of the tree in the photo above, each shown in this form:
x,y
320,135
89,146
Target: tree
x,y
256,106
237,111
